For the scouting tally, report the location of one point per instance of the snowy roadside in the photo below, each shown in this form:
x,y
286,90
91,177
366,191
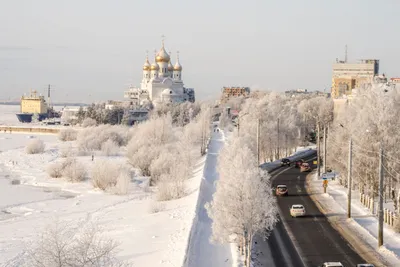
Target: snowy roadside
x,y
362,227
201,251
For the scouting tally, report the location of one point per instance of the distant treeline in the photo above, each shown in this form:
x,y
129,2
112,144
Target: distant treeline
x,y
54,104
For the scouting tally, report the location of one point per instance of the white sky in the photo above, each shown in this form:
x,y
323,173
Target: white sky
x,y
94,49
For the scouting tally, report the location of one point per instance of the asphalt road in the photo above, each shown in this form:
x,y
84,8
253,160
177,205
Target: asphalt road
x,y
318,241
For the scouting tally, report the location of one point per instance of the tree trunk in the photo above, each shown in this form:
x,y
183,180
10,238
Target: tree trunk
x,y
245,249
249,247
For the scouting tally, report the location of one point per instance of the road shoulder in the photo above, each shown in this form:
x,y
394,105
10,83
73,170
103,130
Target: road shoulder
x,y
341,224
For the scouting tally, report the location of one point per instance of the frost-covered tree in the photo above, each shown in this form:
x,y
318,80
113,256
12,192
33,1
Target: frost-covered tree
x,y
63,244
242,205
88,122
280,124
371,119
80,114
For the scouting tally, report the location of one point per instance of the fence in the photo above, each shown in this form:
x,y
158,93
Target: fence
x,y
8,129
389,217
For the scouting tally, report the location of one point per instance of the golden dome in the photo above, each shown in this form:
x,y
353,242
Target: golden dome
x,y
178,66
162,55
154,66
146,65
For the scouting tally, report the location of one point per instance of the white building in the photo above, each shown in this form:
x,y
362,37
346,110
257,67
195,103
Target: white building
x,y
161,82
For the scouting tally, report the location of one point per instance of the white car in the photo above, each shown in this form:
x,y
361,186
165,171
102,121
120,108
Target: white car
x,y
332,264
297,210
365,265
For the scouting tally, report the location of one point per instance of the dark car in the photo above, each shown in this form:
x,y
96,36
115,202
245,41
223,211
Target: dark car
x,y
285,162
281,190
299,163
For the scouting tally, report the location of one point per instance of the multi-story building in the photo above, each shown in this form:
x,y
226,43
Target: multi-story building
x,y
395,80
347,76
230,92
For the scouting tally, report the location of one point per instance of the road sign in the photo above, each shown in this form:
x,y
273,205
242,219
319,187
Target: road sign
x,y
325,182
315,162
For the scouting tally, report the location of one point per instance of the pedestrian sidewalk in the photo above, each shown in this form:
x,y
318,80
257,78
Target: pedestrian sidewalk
x,y
362,229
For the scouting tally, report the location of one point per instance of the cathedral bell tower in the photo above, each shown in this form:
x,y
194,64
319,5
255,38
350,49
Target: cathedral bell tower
x,y
146,70
177,75
162,60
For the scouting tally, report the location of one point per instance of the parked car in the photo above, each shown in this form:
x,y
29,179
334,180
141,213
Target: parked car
x,y
281,190
297,210
299,162
305,167
332,264
285,162
365,265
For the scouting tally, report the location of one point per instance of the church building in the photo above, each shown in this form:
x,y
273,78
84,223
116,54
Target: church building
x,y
161,82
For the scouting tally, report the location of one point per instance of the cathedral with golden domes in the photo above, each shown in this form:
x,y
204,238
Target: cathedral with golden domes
x,y
161,82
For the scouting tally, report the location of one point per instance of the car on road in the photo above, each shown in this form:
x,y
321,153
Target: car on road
x,y
281,190
305,167
297,210
285,162
298,163
365,265
332,264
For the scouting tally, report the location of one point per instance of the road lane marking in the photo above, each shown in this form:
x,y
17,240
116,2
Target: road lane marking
x,y
298,188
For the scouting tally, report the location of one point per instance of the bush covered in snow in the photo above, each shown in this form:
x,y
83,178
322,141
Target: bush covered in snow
x,y
67,135
107,175
35,146
93,138
73,170
110,148
89,122
70,168
55,170
66,151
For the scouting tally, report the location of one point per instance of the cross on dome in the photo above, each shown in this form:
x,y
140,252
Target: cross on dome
x,y
162,55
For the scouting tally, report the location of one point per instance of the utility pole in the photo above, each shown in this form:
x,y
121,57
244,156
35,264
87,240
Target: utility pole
x,y
286,151
380,219
278,141
319,151
238,125
349,178
258,142
324,149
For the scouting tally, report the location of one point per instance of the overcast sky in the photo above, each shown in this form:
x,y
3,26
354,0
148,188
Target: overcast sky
x,y
94,49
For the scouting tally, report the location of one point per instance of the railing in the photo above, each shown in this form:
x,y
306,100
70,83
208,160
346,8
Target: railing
x,y
389,217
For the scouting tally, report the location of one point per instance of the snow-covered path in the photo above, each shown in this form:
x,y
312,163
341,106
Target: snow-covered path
x,y
201,252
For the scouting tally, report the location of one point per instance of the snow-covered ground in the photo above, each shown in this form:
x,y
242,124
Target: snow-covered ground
x,y
201,251
362,223
146,238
